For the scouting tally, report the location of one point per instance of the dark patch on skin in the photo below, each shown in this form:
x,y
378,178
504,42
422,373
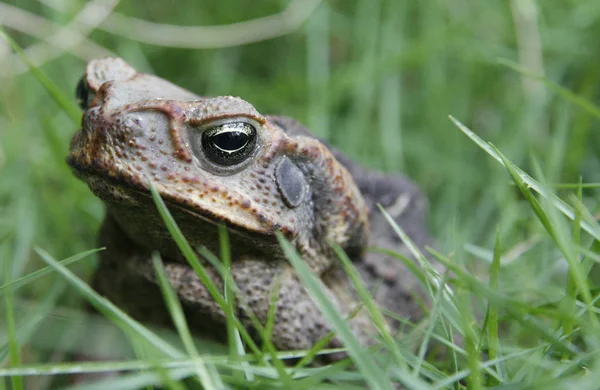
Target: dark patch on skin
x,y
291,183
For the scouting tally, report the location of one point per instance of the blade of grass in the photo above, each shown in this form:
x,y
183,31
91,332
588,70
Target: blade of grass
x,y
319,347
532,183
136,380
575,186
22,281
91,367
312,380
233,337
568,95
569,304
568,252
433,278
229,294
585,307
226,276
167,381
372,373
417,331
471,341
272,309
13,342
514,308
462,374
586,215
207,376
236,346
110,311
510,256
230,290
202,274
190,256
435,308
374,311
492,310
590,255
139,350
31,322
412,267
268,331
65,103
433,281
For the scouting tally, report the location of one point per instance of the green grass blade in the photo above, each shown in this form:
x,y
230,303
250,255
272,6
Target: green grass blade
x,y
492,311
202,274
113,313
226,276
208,377
514,308
413,268
136,380
228,293
33,321
13,342
65,103
190,256
372,308
475,378
462,374
230,289
235,344
328,372
575,186
433,316
268,331
22,281
532,183
562,243
167,382
91,367
569,304
568,95
586,215
367,366
433,277
319,347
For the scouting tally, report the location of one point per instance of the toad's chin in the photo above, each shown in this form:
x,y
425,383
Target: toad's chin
x,y
135,212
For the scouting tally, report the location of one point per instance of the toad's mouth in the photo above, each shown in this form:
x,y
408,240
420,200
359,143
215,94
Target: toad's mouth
x,y
118,190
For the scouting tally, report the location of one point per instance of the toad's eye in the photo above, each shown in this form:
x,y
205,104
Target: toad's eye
x,y
84,94
229,143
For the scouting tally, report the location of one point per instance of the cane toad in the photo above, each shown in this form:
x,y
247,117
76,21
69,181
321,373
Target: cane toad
x,y
218,160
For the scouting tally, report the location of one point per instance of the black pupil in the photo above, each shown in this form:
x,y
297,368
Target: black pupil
x,y
229,144
230,141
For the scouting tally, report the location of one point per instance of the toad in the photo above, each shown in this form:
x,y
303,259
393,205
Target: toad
x,y
217,160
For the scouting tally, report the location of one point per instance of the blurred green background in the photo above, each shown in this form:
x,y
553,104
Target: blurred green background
x,y
377,78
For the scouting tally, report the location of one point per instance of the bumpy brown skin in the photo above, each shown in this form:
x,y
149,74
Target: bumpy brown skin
x,y
139,129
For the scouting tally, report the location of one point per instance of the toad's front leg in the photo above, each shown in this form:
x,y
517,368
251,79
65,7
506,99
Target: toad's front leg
x,y
298,322
127,277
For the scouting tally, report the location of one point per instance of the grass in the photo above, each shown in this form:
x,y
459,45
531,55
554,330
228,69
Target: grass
x,y
512,180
